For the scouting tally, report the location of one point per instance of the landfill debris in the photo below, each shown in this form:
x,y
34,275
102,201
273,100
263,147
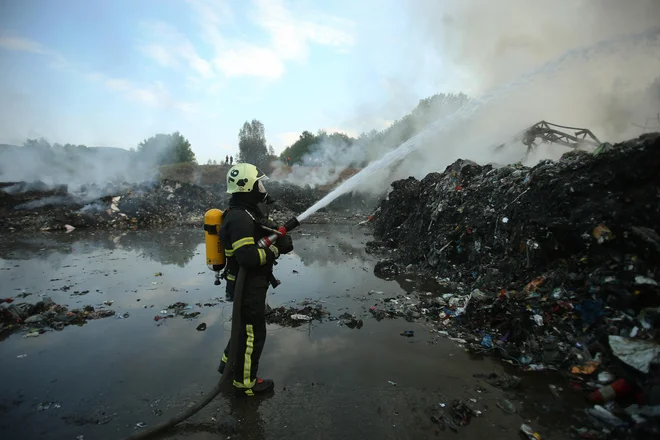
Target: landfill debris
x,y
529,432
43,406
386,269
46,314
408,333
587,368
296,316
140,425
503,381
636,353
391,383
506,406
460,414
606,377
617,389
122,205
601,414
201,327
555,285
351,321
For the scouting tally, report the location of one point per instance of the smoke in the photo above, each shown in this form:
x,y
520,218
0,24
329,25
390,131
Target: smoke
x,y
487,45
79,165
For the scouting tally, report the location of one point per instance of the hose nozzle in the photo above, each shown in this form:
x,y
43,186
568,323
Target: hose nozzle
x,y
283,230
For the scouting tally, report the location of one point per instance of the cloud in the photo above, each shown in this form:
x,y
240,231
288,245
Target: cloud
x,y
173,49
152,95
19,44
288,39
249,60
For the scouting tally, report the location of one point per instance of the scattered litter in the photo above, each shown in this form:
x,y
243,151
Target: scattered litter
x,y
408,333
391,383
636,353
506,406
603,415
529,432
296,317
586,368
201,327
43,406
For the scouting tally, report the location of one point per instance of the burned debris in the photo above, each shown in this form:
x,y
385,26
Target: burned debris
x,y
37,206
550,267
45,315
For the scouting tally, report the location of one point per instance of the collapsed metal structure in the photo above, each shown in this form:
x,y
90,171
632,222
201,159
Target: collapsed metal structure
x,y
546,132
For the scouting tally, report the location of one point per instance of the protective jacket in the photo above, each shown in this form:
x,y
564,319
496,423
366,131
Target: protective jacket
x,y
241,230
242,227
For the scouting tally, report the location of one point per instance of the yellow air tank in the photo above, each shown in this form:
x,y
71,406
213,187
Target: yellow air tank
x,y
215,252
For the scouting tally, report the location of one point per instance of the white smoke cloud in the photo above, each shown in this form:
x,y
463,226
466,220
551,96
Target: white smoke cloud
x,y
88,172
491,44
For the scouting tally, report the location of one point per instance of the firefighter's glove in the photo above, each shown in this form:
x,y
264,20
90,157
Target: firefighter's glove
x,y
274,250
284,244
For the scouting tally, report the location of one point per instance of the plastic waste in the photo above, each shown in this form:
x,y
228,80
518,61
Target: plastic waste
x,y
606,377
506,406
408,333
487,341
587,368
619,388
201,327
601,414
529,432
298,317
636,353
538,319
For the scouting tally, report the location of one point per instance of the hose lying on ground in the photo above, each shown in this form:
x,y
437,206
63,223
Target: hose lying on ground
x,y
226,374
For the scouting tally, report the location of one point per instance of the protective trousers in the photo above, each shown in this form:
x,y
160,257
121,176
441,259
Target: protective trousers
x,y
253,332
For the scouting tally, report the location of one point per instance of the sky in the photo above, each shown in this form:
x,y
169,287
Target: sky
x,y
115,73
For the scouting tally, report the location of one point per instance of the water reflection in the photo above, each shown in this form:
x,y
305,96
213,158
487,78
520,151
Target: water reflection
x,y
312,244
169,247
175,246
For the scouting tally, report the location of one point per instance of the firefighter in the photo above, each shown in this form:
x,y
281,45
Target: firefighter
x,y
241,230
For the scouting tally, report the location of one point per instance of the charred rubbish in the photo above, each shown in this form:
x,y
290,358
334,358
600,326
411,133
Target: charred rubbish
x,y
291,316
36,206
45,315
550,267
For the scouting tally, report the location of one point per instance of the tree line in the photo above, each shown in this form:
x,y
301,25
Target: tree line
x,y
426,111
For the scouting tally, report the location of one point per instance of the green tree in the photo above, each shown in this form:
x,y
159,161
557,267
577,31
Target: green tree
x,y
252,144
300,148
167,149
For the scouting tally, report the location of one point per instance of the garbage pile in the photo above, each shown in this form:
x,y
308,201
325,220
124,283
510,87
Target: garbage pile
x,y
550,267
37,206
44,315
292,316
114,206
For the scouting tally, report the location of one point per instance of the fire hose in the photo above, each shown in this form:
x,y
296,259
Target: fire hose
x,y
233,344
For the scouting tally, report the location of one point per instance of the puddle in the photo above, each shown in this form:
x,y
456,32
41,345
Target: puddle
x,y
101,379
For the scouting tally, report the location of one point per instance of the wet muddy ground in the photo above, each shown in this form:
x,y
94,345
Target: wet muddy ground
x,y
102,379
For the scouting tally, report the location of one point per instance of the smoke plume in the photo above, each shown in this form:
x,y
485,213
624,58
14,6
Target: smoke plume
x,y
77,166
588,73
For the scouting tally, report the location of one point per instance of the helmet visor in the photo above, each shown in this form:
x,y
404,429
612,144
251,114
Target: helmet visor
x,y
261,187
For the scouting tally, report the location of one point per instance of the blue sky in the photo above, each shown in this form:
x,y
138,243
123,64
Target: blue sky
x,y
114,73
